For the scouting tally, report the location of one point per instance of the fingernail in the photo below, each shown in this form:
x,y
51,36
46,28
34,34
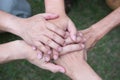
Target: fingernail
x,y
34,48
82,45
74,38
60,49
49,52
39,55
55,57
47,59
84,39
81,34
62,70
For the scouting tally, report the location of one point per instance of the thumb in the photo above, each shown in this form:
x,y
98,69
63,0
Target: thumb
x,y
53,67
73,31
49,16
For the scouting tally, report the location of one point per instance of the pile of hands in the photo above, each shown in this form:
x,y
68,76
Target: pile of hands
x,y
48,37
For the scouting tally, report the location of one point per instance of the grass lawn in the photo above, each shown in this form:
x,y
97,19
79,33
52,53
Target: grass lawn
x,y
104,57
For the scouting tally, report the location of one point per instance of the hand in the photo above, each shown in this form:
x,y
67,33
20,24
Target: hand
x,y
65,23
77,60
92,37
33,56
71,46
38,32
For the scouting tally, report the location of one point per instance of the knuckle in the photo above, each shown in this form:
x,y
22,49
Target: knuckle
x,y
58,39
54,27
48,41
43,49
54,36
62,33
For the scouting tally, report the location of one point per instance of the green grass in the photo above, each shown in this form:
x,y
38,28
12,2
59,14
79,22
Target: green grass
x,y
104,57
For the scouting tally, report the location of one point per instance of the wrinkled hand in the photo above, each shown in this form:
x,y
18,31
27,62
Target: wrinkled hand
x,y
34,57
77,58
65,23
40,33
72,42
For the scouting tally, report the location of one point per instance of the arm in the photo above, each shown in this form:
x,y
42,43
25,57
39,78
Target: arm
x,y
33,30
55,6
76,67
74,63
64,22
20,50
10,51
101,28
7,21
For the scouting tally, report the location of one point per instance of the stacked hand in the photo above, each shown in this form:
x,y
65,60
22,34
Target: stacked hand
x,y
50,36
72,40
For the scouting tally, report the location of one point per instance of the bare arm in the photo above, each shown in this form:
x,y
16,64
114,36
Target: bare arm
x,y
7,22
76,67
55,6
74,63
20,50
101,28
64,22
10,51
34,29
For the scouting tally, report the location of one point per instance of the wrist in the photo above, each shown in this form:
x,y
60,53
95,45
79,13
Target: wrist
x,y
10,51
17,49
85,73
55,6
8,22
14,26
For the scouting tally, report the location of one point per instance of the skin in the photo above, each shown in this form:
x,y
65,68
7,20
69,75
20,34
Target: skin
x,y
32,28
52,39
20,50
80,69
76,60
50,36
63,22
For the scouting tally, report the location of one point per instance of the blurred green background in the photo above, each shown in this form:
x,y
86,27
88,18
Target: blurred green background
x,y
104,57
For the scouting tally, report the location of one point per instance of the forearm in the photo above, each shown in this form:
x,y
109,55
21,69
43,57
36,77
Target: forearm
x,y
9,51
106,24
76,67
8,22
55,6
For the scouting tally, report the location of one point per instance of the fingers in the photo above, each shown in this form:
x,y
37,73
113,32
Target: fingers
x,y
54,68
39,55
55,37
41,47
46,57
47,41
69,40
49,16
81,35
80,39
56,29
47,65
40,62
71,48
72,29
55,55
